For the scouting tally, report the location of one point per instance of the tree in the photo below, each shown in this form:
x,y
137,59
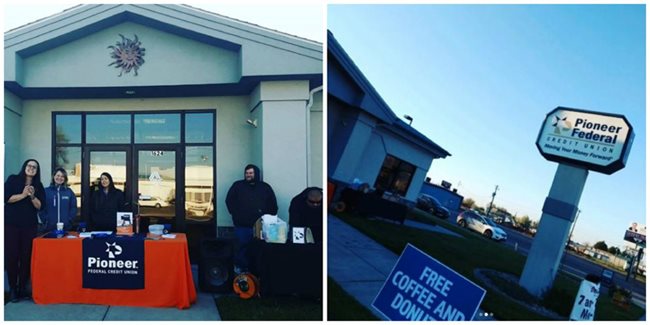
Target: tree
x,y
534,224
601,245
614,250
469,203
524,222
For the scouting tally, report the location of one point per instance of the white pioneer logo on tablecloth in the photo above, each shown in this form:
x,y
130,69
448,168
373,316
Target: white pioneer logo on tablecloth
x,y
113,250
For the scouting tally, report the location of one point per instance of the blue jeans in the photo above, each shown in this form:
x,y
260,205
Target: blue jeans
x,y
244,236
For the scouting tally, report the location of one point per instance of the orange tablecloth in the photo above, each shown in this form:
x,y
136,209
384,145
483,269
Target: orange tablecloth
x,y
57,275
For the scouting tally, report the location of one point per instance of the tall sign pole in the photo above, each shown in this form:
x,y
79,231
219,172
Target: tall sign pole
x,y
579,141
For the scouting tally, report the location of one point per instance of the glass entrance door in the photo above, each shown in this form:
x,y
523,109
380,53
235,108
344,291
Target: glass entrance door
x,y
156,185
112,160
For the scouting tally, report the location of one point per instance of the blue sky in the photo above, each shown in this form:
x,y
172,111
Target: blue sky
x,y
479,80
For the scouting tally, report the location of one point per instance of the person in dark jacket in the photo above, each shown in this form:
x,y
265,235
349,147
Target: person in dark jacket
x,y
306,210
60,202
106,202
24,195
247,200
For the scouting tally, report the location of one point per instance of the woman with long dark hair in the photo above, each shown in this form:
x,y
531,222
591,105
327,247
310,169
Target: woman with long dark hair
x,y
106,202
24,195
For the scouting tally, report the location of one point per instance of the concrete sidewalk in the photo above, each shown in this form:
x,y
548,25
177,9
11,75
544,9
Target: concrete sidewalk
x,y
360,265
204,309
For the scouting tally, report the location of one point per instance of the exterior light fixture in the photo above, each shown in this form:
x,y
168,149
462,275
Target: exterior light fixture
x,y
408,118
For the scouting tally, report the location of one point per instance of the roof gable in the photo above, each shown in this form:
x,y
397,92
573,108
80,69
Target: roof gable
x,y
261,52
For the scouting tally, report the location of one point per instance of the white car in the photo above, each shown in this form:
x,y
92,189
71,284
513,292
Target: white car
x,y
481,224
152,201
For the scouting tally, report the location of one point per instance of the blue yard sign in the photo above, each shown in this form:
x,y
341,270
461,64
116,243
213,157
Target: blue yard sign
x,y
420,288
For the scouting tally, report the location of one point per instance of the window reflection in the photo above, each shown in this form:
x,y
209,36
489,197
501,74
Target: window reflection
x,y
112,162
157,183
69,158
157,128
108,128
199,191
198,127
395,175
68,129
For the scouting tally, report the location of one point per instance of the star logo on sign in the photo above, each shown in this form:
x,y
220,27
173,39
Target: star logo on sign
x,y
561,123
113,250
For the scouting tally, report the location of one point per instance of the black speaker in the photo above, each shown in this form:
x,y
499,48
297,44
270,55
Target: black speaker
x,y
216,265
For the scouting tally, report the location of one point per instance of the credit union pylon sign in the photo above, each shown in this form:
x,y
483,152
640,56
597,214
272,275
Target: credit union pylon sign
x,y
579,141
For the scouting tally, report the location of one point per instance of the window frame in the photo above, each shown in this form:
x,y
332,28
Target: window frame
x,y
133,146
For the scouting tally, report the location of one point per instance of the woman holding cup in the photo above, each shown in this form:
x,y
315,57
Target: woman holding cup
x,y
24,195
60,203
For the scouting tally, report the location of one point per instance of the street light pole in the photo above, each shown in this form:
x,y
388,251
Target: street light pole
x,y
493,195
573,227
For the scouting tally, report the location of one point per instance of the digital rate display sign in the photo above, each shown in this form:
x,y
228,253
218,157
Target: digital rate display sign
x,y
596,141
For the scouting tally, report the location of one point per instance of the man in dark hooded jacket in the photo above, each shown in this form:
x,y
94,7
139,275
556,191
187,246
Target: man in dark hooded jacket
x,y
247,200
306,210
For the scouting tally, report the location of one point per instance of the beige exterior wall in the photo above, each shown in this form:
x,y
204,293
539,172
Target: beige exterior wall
x,y
13,111
315,163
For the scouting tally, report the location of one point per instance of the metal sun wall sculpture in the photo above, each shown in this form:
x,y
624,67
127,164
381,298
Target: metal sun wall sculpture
x,y
127,55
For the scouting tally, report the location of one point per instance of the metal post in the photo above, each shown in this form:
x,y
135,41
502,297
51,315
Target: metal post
x,y
493,195
638,260
630,264
573,227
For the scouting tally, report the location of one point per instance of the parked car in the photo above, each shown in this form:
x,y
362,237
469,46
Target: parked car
x,y
474,221
430,204
152,201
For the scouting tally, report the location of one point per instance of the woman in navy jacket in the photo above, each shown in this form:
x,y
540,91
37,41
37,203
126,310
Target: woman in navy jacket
x,y
24,195
60,202
106,202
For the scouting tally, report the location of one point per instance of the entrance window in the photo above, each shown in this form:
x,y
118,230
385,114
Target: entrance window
x,y
395,175
199,190
198,128
157,128
68,129
142,150
108,128
67,152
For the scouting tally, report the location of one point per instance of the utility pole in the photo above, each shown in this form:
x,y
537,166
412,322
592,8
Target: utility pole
x,y
493,195
573,227
635,260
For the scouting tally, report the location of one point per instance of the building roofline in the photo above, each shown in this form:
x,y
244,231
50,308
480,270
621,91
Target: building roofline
x,y
388,117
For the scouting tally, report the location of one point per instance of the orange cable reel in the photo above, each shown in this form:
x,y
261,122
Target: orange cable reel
x,y
246,286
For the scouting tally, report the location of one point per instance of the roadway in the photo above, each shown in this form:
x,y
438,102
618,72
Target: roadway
x,y
574,264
